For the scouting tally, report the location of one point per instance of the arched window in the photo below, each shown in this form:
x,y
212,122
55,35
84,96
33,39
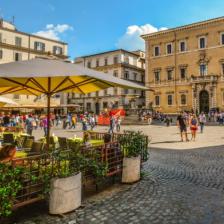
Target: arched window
x,y
183,99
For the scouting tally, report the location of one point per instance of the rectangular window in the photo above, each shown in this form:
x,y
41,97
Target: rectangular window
x,y
1,54
182,73
169,75
88,106
202,42
157,76
126,91
105,104
143,78
203,69
105,92
115,73
169,49
135,76
97,63
156,51
57,50
222,39
18,56
18,41
115,90
39,46
0,37
170,99
97,93
126,59
157,100
222,68
105,61
126,75
89,64
182,46
115,60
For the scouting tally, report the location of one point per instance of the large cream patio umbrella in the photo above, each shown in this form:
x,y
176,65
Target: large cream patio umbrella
x,y
7,102
47,76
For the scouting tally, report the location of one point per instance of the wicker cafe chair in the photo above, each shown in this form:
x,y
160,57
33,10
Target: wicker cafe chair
x,y
8,138
63,143
74,145
27,145
36,149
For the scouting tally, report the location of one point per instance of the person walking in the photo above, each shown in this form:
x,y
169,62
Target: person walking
x,y
29,125
112,124
202,121
118,124
193,126
182,124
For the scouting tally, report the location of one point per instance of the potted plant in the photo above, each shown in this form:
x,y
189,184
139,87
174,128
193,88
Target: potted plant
x,y
66,185
132,146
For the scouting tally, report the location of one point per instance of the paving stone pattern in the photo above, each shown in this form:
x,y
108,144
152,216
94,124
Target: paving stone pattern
x,y
178,187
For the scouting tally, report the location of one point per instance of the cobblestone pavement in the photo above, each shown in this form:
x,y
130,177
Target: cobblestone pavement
x,y
177,187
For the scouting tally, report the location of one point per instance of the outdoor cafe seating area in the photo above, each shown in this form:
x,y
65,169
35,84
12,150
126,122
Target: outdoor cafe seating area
x,y
26,151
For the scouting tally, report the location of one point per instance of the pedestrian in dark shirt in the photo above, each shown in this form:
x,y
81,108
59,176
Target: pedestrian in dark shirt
x,y
182,124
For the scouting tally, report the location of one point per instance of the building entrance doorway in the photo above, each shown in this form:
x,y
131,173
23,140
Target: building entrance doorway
x,y
204,101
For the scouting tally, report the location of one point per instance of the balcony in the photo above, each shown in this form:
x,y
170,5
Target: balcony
x,y
204,79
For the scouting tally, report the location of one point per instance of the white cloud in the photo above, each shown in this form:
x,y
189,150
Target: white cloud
x,y
53,31
131,40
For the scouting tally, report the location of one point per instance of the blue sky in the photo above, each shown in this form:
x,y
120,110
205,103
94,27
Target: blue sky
x,y
91,26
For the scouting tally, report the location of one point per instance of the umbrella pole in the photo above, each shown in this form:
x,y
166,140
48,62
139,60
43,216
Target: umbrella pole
x,y
48,113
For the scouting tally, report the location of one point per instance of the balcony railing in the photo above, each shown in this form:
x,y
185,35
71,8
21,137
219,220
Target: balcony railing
x,y
204,79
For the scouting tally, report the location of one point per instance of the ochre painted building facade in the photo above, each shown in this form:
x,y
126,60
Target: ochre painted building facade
x,y
185,67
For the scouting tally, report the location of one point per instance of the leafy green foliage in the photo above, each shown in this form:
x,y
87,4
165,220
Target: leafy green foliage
x,y
134,144
10,184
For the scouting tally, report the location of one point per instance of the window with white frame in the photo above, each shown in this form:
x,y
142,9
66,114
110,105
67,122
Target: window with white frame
x,y
126,75
156,51
18,41
157,100
115,73
170,100
135,76
183,99
115,59
222,38
105,61
97,63
89,64
39,46
126,59
203,69
182,46
169,48
57,50
202,42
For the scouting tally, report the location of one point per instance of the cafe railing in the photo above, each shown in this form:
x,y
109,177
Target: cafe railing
x,y
39,169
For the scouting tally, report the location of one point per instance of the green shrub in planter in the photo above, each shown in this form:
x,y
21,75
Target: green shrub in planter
x,y
133,144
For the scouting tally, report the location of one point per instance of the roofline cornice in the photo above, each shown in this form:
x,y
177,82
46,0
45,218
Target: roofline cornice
x,y
185,27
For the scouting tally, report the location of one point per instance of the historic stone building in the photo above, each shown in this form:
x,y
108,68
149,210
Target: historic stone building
x,y
185,67
16,45
120,63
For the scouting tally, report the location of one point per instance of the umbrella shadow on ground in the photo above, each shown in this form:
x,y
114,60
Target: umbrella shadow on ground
x,y
174,141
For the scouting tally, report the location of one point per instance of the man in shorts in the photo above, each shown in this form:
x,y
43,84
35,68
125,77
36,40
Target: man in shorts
x,y
182,124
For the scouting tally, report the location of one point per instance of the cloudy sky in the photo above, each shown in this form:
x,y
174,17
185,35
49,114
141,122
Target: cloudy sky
x,y
92,26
